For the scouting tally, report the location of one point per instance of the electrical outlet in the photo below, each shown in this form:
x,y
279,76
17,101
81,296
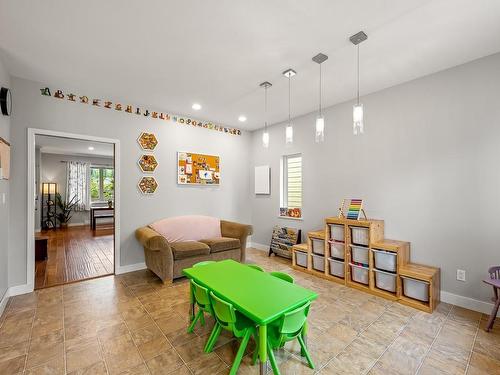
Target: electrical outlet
x,y
461,275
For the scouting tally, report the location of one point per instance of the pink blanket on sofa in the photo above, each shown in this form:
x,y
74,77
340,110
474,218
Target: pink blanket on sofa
x,y
187,228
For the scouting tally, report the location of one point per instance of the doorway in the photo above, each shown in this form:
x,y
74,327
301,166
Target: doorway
x,y
73,231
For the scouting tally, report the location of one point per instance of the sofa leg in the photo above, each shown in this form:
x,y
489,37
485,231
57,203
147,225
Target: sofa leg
x,y
167,282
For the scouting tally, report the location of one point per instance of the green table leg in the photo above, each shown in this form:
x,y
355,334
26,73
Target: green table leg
x,y
263,348
191,304
304,337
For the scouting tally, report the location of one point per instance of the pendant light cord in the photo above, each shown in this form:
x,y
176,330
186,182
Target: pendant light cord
x,y
289,100
358,73
320,90
265,108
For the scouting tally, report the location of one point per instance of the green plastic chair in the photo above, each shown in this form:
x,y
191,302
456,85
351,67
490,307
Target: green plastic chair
x,y
255,267
228,318
289,327
205,262
283,276
201,298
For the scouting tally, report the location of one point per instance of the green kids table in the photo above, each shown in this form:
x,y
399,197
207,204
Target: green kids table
x,y
259,296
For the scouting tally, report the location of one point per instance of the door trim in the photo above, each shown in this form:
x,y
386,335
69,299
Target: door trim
x,y
31,194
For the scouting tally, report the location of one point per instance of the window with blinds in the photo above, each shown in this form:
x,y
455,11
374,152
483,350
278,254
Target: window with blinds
x,y
291,194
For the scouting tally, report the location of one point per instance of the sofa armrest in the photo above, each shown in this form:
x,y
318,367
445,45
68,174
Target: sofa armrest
x,y
239,231
157,253
151,239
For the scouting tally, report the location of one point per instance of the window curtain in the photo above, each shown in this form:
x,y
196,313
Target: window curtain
x,y
78,184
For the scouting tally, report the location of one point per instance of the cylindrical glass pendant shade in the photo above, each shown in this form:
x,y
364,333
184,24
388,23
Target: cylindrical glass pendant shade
x,y
320,129
357,119
265,139
289,134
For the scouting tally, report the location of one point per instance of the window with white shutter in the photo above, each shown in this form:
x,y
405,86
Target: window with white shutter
x,y
291,186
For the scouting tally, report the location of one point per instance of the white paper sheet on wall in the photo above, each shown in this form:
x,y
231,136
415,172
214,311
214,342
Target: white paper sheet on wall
x,y
263,179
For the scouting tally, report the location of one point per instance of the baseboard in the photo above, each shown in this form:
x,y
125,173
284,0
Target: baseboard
x,y
20,289
467,303
130,268
14,291
258,246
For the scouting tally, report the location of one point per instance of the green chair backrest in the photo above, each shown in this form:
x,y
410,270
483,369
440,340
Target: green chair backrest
x,y
283,276
255,267
293,321
225,313
200,294
203,263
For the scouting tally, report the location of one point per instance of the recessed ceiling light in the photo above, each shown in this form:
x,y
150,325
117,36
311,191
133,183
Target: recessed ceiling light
x,y
196,106
91,148
242,118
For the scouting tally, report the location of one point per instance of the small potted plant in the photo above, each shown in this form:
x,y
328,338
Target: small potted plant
x,y
110,203
65,209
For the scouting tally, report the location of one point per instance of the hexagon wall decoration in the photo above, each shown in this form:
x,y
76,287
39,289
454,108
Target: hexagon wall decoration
x,y
148,185
147,141
147,163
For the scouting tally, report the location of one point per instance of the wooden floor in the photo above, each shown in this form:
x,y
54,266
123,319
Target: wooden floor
x,y
74,254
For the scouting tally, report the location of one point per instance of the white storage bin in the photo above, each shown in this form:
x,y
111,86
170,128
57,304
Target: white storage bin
x,y
359,274
359,254
301,259
359,236
385,280
385,260
416,289
337,250
337,232
336,267
318,263
318,246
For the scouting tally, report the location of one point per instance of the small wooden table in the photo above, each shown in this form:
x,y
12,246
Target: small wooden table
x,y
93,216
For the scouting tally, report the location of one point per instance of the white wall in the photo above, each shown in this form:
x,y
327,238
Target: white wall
x,y
228,201
4,189
52,170
428,164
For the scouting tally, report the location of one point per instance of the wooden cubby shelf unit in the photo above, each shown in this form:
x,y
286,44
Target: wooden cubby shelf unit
x,y
385,263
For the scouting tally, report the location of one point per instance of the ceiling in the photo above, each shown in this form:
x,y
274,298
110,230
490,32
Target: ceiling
x,y
169,54
68,146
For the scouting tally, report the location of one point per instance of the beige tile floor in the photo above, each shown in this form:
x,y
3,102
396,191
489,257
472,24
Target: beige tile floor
x,y
132,324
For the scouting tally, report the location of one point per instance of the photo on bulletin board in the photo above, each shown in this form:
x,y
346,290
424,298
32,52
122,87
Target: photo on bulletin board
x,y
197,169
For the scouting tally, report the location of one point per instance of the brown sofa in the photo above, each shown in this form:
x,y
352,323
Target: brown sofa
x,y
168,259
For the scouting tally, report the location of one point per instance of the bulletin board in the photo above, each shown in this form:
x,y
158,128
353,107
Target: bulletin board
x,y
197,169
4,159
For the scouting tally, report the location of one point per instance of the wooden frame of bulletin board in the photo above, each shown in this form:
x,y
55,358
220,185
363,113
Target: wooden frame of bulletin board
x,y
197,169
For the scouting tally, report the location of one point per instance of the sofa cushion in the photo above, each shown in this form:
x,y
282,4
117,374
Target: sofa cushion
x,y
222,244
188,249
187,228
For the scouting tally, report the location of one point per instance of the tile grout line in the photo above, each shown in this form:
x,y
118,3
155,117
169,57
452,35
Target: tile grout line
x,y
164,335
473,345
31,334
358,335
434,340
133,341
391,343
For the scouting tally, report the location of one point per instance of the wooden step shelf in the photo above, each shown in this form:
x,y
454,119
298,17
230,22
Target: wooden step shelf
x,y
427,274
369,234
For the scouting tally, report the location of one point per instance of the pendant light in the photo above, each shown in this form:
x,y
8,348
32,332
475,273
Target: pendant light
x,y
357,109
320,120
265,134
289,73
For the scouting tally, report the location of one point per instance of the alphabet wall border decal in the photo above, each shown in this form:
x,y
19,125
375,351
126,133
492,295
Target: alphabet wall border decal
x,y
135,110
